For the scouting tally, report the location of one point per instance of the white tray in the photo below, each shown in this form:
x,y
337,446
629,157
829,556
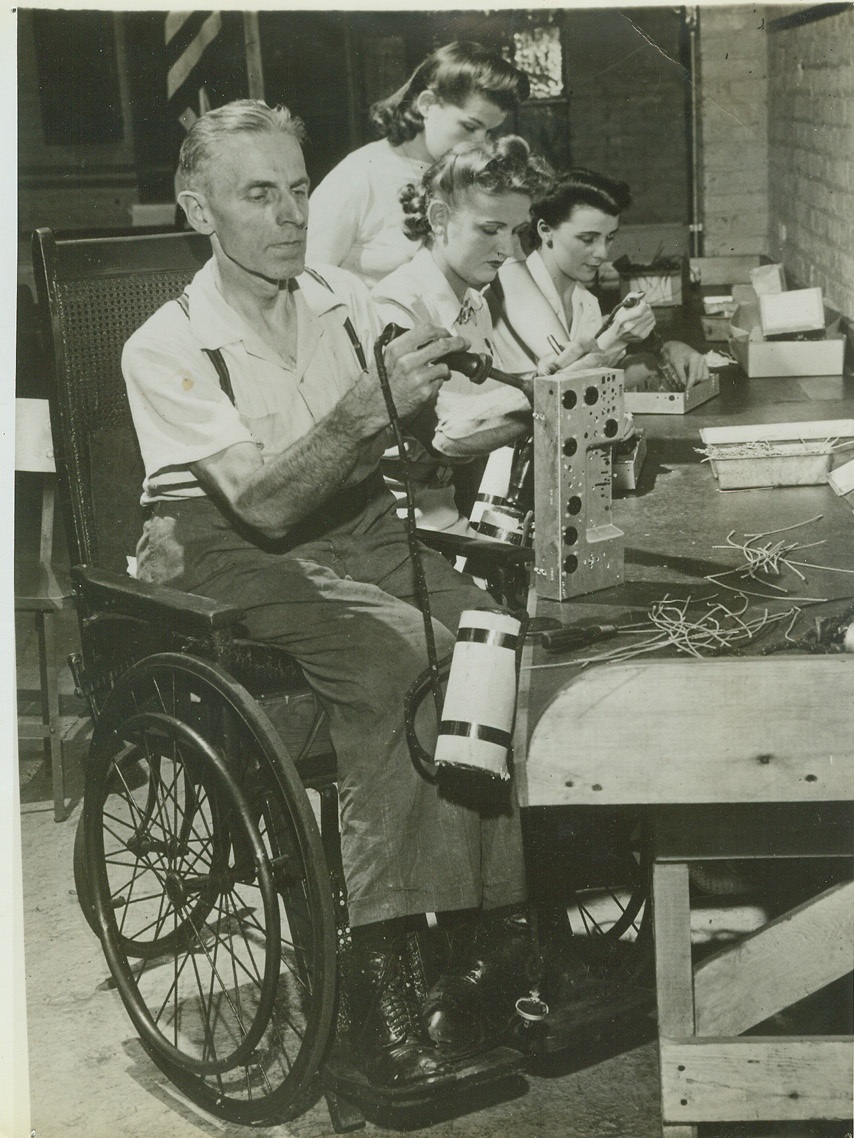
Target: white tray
x,y
773,454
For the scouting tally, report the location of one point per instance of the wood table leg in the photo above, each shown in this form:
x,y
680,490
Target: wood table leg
x,y
673,972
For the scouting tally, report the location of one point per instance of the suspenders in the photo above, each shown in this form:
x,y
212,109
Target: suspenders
x,y
348,323
218,361
213,354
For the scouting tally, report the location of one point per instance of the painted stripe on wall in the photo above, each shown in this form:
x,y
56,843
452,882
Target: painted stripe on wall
x,y
179,71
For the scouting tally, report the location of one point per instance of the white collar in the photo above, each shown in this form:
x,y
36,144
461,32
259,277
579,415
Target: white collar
x,y
544,282
432,281
215,323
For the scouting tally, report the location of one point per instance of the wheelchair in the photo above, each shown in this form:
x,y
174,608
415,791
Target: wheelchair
x,y
207,857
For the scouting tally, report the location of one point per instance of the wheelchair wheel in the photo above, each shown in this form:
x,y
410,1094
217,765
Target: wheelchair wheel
x,y
609,917
590,881
615,907
210,890
81,876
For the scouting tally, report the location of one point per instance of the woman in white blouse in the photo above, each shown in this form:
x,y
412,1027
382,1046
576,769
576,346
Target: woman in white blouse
x,y
460,93
468,210
574,225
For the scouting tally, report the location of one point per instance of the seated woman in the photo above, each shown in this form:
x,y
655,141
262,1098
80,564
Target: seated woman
x,y
574,224
468,210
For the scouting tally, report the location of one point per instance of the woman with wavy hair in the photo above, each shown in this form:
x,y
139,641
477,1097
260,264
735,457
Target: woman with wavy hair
x,y
460,93
468,211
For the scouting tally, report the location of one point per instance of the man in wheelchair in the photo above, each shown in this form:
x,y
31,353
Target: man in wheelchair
x,y
261,424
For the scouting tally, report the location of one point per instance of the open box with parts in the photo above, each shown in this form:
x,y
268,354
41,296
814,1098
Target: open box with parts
x,y
774,454
760,357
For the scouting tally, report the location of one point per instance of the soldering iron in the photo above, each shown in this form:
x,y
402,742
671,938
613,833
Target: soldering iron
x,y
476,366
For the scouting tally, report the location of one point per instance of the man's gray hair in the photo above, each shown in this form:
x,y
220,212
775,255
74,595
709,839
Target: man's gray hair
x,y
248,116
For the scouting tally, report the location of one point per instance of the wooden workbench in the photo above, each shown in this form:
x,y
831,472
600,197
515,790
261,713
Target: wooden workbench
x,y
739,757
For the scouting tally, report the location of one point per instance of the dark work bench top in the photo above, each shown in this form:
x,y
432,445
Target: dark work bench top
x,y
677,517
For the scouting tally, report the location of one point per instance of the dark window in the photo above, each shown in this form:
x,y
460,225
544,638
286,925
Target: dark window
x,y
78,77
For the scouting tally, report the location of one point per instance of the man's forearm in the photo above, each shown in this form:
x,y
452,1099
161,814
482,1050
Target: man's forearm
x,y
282,492
274,496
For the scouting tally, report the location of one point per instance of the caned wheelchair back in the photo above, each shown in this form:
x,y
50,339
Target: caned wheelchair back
x,y
95,293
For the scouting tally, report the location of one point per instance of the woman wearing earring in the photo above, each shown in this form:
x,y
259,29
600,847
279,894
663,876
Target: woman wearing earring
x,y
468,211
574,225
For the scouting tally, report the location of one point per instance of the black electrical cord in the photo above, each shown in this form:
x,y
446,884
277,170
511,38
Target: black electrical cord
x,y
434,664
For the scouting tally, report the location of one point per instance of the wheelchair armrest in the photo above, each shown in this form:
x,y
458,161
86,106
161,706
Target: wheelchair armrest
x,y
454,544
103,589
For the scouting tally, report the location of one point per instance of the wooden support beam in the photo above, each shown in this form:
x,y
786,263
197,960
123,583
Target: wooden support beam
x,y
756,1078
788,959
747,830
672,930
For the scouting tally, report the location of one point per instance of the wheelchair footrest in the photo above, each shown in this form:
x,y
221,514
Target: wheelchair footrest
x,y
348,1083
346,1116
565,1024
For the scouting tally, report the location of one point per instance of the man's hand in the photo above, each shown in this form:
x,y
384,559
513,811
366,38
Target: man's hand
x,y
630,326
690,366
415,368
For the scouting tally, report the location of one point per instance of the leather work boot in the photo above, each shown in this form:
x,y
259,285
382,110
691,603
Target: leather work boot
x,y
391,1042
472,1006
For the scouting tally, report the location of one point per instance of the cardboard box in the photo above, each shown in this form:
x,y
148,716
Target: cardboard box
x,y
744,294
671,402
715,328
773,454
841,481
762,359
718,311
660,289
767,280
627,465
785,313
663,285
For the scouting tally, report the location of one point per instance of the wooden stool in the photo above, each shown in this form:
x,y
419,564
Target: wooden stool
x,y
40,590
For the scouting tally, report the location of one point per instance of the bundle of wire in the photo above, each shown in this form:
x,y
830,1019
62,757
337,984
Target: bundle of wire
x,y
435,666
670,624
761,562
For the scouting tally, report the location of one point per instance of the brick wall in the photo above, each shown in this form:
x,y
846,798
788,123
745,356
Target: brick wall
x,y
733,130
627,105
811,155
